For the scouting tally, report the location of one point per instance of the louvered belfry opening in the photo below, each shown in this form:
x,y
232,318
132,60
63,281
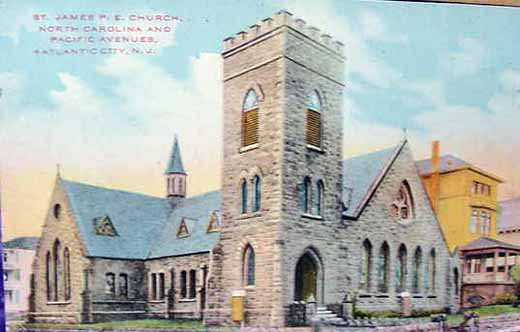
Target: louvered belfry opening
x,y
313,128
250,118
250,127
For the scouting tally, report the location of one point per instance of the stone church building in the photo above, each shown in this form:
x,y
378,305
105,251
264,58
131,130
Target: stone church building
x,y
293,221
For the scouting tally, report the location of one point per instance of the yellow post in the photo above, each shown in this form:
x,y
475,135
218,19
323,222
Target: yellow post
x,y
237,306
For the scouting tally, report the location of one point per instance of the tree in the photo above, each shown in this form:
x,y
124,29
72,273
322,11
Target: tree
x,y
515,276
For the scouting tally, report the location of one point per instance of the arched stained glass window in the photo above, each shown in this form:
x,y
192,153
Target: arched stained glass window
x,y
48,260
249,266
56,269
383,268
417,267
401,270
110,284
66,270
305,195
430,273
184,284
366,266
314,124
256,197
123,285
250,118
402,206
319,198
243,196
193,284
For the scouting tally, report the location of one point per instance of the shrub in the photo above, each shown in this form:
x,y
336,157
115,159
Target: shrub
x,y
504,298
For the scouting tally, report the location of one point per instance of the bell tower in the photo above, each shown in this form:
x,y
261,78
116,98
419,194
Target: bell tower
x,y
282,116
175,176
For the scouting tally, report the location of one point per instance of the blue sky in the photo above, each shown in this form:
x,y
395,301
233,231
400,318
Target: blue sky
x,y
448,72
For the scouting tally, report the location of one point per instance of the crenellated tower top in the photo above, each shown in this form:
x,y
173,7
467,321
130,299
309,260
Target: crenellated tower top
x,y
281,19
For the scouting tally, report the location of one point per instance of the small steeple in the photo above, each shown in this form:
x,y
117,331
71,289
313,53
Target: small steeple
x,y
175,176
175,165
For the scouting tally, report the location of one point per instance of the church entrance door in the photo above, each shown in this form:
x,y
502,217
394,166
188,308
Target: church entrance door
x,y
306,278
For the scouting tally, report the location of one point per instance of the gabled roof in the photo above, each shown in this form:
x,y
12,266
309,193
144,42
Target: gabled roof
x,y
175,165
449,163
195,212
136,218
509,215
146,226
487,243
362,175
24,242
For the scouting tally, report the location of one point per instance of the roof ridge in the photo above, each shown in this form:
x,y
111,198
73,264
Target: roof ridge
x,y
124,191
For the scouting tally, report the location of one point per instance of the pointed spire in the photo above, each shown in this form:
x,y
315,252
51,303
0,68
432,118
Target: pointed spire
x,y
175,165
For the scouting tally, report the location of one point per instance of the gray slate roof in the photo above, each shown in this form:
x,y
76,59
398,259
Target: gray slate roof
x,y
360,175
509,214
147,226
175,161
446,163
24,242
196,212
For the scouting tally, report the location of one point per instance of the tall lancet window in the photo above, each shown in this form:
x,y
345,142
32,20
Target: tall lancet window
x,y
243,196
249,266
250,119
401,269
256,197
383,268
66,270
314,125
56,269
417,267
319,198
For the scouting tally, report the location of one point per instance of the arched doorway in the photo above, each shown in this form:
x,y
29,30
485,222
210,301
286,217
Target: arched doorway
x,y
307,276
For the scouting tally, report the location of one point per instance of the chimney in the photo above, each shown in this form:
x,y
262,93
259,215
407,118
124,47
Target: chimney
x,y
435,176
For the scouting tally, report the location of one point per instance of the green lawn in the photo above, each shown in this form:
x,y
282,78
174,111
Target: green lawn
x,y
490,310
152,323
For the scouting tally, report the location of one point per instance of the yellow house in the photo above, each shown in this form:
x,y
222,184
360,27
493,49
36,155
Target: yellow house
x,y
463,196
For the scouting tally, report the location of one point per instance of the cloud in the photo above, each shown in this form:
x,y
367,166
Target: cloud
x,y
487,137
361,60
467,60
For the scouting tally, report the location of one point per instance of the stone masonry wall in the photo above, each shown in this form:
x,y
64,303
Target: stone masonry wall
x,y
173,306
257,66
64,230
108,307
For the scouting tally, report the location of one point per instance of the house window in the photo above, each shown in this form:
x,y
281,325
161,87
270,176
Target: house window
x,y
250,119
193,284
184,286
47,275
243,196
319,197
110,284
256,193
402,206
383,267
417,267
123,285
249,266
314,125
473,221
366,266
304,193
401,269
66,268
